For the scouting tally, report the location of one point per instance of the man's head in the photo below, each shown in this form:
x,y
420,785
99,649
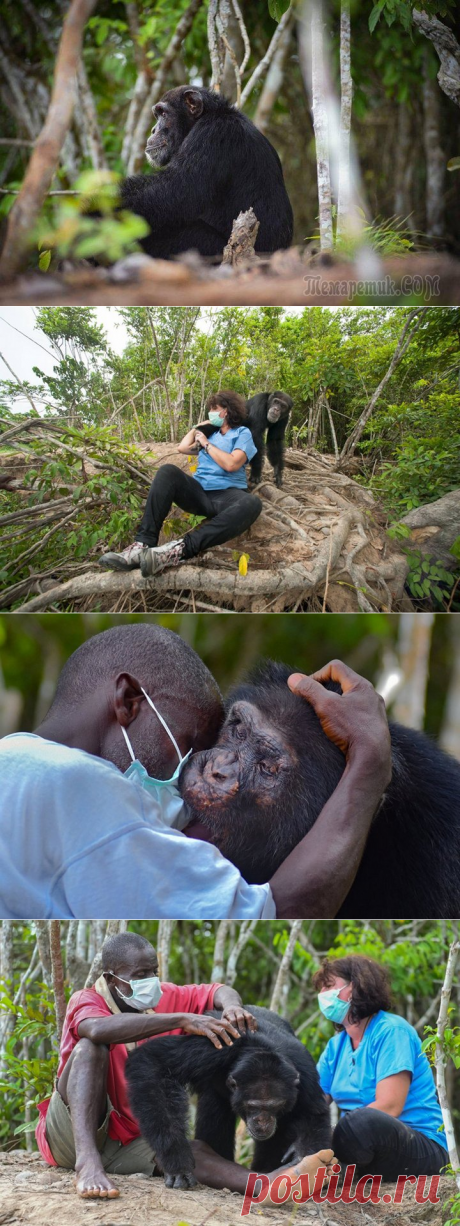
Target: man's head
x,y
100,691
125,956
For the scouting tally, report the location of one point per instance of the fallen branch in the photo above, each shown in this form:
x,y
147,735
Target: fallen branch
x,y
447,49
240,246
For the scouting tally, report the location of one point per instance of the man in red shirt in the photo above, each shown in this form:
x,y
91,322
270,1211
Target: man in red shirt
x,y
87,1124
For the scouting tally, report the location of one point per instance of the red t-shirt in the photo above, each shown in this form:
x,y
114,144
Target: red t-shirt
x,y
189,998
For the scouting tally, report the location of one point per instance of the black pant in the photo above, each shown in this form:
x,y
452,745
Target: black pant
x,y
379,1144
230,511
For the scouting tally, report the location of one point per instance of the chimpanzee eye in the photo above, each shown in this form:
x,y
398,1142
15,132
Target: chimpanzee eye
x,y
268,768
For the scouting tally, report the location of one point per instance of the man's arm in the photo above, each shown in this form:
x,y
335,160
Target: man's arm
x,y
131,1027
232,1009
315,878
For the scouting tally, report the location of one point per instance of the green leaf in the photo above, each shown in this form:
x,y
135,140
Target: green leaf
x,y
276,8
453,164
44,260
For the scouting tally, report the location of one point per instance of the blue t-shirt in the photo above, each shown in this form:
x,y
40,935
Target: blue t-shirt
x,y
389,1045
210,475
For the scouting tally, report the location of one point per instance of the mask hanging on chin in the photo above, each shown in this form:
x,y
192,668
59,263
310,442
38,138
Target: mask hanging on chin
x,y
164,791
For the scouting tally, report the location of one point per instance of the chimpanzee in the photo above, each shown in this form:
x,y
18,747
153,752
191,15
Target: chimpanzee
x,y
267,1077
261,788
217,164
268,411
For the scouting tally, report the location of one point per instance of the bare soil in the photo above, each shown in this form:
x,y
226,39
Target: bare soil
x,y
32,1193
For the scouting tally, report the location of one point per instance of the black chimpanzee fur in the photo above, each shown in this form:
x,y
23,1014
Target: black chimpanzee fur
x,y
269,1064
411,862
216,165
260,407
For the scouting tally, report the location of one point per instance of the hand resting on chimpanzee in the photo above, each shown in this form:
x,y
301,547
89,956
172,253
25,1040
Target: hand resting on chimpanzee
x,y
283,768
212,163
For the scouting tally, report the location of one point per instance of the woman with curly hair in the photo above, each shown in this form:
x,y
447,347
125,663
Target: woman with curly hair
x,y
219,491
376,1072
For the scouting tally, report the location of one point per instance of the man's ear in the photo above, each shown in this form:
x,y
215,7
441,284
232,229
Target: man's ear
x,y
127,698
193,102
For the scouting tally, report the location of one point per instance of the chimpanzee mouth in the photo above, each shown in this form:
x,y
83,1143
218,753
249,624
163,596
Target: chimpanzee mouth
x,y
261,1134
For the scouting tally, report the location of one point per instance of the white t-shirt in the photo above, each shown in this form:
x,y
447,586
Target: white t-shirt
x,y
78,839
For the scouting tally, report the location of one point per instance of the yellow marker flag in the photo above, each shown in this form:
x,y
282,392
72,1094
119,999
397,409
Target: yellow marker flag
x,y
243,564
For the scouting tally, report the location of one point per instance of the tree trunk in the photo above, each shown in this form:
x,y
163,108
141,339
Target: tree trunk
x,y
57,971
346,89
320,124
7,977
450,731
415,630
448,50
218,969
274,79
281,989
45,156
440,1059
41,928
165,931
402,201
144,121
245,933
413,321
435,157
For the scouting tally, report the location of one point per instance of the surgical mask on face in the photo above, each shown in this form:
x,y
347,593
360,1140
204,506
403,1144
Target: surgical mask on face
x,y
156,787
146,993
216,419
332,1006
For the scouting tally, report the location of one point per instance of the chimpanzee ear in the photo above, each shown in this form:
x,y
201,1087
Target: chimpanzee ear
x,y
231,1083
193,102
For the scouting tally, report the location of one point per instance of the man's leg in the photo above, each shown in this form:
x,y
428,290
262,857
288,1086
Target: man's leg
x,y
233,513
379,1144
170,485
83,1088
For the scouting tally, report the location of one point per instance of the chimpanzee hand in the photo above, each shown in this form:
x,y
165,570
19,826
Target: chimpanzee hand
x,y
355,720
211,1027
239,1017
201,438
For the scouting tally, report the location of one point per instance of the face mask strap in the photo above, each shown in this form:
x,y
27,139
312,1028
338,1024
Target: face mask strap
x,y
130,748
163,722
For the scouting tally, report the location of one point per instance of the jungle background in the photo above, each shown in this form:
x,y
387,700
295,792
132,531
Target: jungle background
x,y
269,962
373,459
413,660
378,61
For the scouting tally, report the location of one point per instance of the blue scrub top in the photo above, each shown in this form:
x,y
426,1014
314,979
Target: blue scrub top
x,y
210,475
389,1045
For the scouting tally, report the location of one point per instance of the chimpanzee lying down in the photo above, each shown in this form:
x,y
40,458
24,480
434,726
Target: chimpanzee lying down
x,y
268,1078
261,788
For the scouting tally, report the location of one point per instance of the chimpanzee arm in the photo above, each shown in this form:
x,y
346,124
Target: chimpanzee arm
x,y
182,192
215,1123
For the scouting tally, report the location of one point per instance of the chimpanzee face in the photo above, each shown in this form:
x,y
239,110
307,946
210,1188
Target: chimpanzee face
x,y
252,759
262,1099
279,405
175,114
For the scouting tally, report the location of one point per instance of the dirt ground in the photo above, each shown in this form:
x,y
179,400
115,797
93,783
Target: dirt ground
x,y
32,1193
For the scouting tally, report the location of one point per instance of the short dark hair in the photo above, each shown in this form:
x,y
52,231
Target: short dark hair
x,y
232,402
370,983
115,950
157,655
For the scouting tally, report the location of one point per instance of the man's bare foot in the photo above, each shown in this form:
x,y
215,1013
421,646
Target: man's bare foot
x,y
311,1164
91,1180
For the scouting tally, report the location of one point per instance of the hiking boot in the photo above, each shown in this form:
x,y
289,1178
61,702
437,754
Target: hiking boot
x,y
127,559
156,559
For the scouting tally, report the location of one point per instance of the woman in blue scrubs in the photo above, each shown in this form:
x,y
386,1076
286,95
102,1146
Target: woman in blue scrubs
x,y
218,492
374,1069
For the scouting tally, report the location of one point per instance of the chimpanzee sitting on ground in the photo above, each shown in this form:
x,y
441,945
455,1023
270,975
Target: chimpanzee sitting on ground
x,y
267,1077
262,787
268,411
217,164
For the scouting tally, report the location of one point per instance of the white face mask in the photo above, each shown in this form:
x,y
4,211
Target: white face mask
x,y
138,772
146,993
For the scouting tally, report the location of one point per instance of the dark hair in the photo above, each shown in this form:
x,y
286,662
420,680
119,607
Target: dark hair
x,y
232,402
370,983
116,949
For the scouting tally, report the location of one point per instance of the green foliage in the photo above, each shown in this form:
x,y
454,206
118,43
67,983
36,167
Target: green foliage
x,y
28,1073
425,576
73,233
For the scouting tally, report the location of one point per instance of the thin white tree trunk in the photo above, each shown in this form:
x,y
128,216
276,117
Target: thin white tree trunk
x,y
440,1059
450,731
246,930
57,971
266,60
434,154
41,929
415,630
7,976
165,931
281,989
320,124
218,969
411,326
346,88
274,79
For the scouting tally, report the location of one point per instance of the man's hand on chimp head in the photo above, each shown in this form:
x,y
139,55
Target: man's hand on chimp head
x,y
354,720
212,1028
239,1017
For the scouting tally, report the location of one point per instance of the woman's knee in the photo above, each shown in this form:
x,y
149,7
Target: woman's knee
x,y
165,476
351,1131
253,507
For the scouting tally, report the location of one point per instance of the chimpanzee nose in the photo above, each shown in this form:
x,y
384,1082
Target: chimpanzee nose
x,y
221,766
